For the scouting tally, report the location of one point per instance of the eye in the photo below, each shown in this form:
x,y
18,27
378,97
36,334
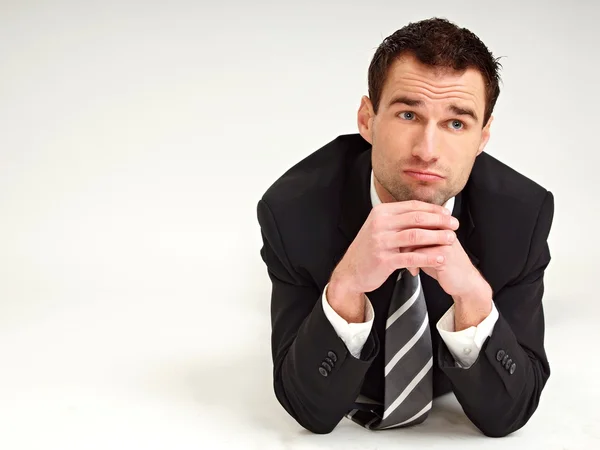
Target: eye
x,y
407,115
456,125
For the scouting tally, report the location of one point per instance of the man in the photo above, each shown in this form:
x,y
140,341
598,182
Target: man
x,y
406,262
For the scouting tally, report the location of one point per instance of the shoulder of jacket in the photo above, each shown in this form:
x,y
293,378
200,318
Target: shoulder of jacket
x,y
317,178
495,179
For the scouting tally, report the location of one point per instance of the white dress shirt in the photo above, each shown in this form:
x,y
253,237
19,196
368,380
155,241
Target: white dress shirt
x,y
464,345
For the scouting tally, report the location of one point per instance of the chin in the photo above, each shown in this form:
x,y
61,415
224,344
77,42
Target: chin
x,y
434,201
436,198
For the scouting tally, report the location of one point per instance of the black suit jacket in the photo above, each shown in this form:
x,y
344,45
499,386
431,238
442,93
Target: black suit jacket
x,y
309,217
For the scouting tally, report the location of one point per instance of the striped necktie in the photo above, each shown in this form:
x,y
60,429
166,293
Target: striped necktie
x,y
408,362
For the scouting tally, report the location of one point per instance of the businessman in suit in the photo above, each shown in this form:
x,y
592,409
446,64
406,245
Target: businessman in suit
x,y
410,220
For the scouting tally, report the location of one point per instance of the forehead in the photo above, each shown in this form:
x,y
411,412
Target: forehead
x,y
407,75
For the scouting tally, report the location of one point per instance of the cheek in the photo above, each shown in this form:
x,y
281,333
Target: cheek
x,y
460,151
396,140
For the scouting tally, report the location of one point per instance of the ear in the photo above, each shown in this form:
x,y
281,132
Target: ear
x,y
485,135
365,118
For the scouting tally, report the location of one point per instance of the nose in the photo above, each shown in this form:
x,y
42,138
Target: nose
x,y
427,145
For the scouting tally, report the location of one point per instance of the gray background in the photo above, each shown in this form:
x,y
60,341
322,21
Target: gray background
x,y
135,141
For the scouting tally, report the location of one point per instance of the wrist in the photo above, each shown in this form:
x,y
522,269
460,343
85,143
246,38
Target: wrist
x,y
345,301
343,283
471,308
479,292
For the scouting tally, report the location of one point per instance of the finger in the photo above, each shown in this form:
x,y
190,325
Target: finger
x,y
394,208
414,259
420,219
413,270
419,237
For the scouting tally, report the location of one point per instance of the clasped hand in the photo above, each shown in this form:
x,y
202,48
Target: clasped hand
x,y
413,235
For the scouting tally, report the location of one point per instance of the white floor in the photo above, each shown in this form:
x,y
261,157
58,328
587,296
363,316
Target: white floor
x,y
157,372
136,138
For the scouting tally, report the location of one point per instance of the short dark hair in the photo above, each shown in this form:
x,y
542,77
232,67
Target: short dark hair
x,y
439,43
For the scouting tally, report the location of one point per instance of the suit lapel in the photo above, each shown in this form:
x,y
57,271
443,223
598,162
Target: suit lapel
x,y
466,231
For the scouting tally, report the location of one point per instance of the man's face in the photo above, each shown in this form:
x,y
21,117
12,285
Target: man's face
x,y
427,121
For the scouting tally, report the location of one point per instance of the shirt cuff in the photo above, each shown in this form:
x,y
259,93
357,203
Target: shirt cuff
x,y
465,345
354,335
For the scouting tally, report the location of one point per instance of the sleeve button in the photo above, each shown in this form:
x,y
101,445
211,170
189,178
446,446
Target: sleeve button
x,y
323,372
500,355
332,355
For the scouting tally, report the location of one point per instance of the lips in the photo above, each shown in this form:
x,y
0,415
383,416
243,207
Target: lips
x,y
425,175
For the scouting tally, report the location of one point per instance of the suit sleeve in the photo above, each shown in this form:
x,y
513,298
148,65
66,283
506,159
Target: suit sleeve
x,y
354,335
315,377
501,390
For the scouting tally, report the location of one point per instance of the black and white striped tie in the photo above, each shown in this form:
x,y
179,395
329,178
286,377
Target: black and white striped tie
x,y
408,362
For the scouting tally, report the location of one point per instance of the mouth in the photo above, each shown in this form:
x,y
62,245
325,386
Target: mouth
x,y
423,175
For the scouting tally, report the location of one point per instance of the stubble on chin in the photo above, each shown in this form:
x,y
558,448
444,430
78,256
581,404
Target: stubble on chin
x,y
405,193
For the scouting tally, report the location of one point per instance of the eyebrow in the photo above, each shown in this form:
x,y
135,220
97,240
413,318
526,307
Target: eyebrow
x,y
458,110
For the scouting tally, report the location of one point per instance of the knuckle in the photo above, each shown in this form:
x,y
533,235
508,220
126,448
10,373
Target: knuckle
x,y
412,236
418,217
442,220
410,260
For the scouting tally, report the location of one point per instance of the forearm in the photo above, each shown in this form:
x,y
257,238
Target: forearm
x,y
501,391
347,304
319,399
471,308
